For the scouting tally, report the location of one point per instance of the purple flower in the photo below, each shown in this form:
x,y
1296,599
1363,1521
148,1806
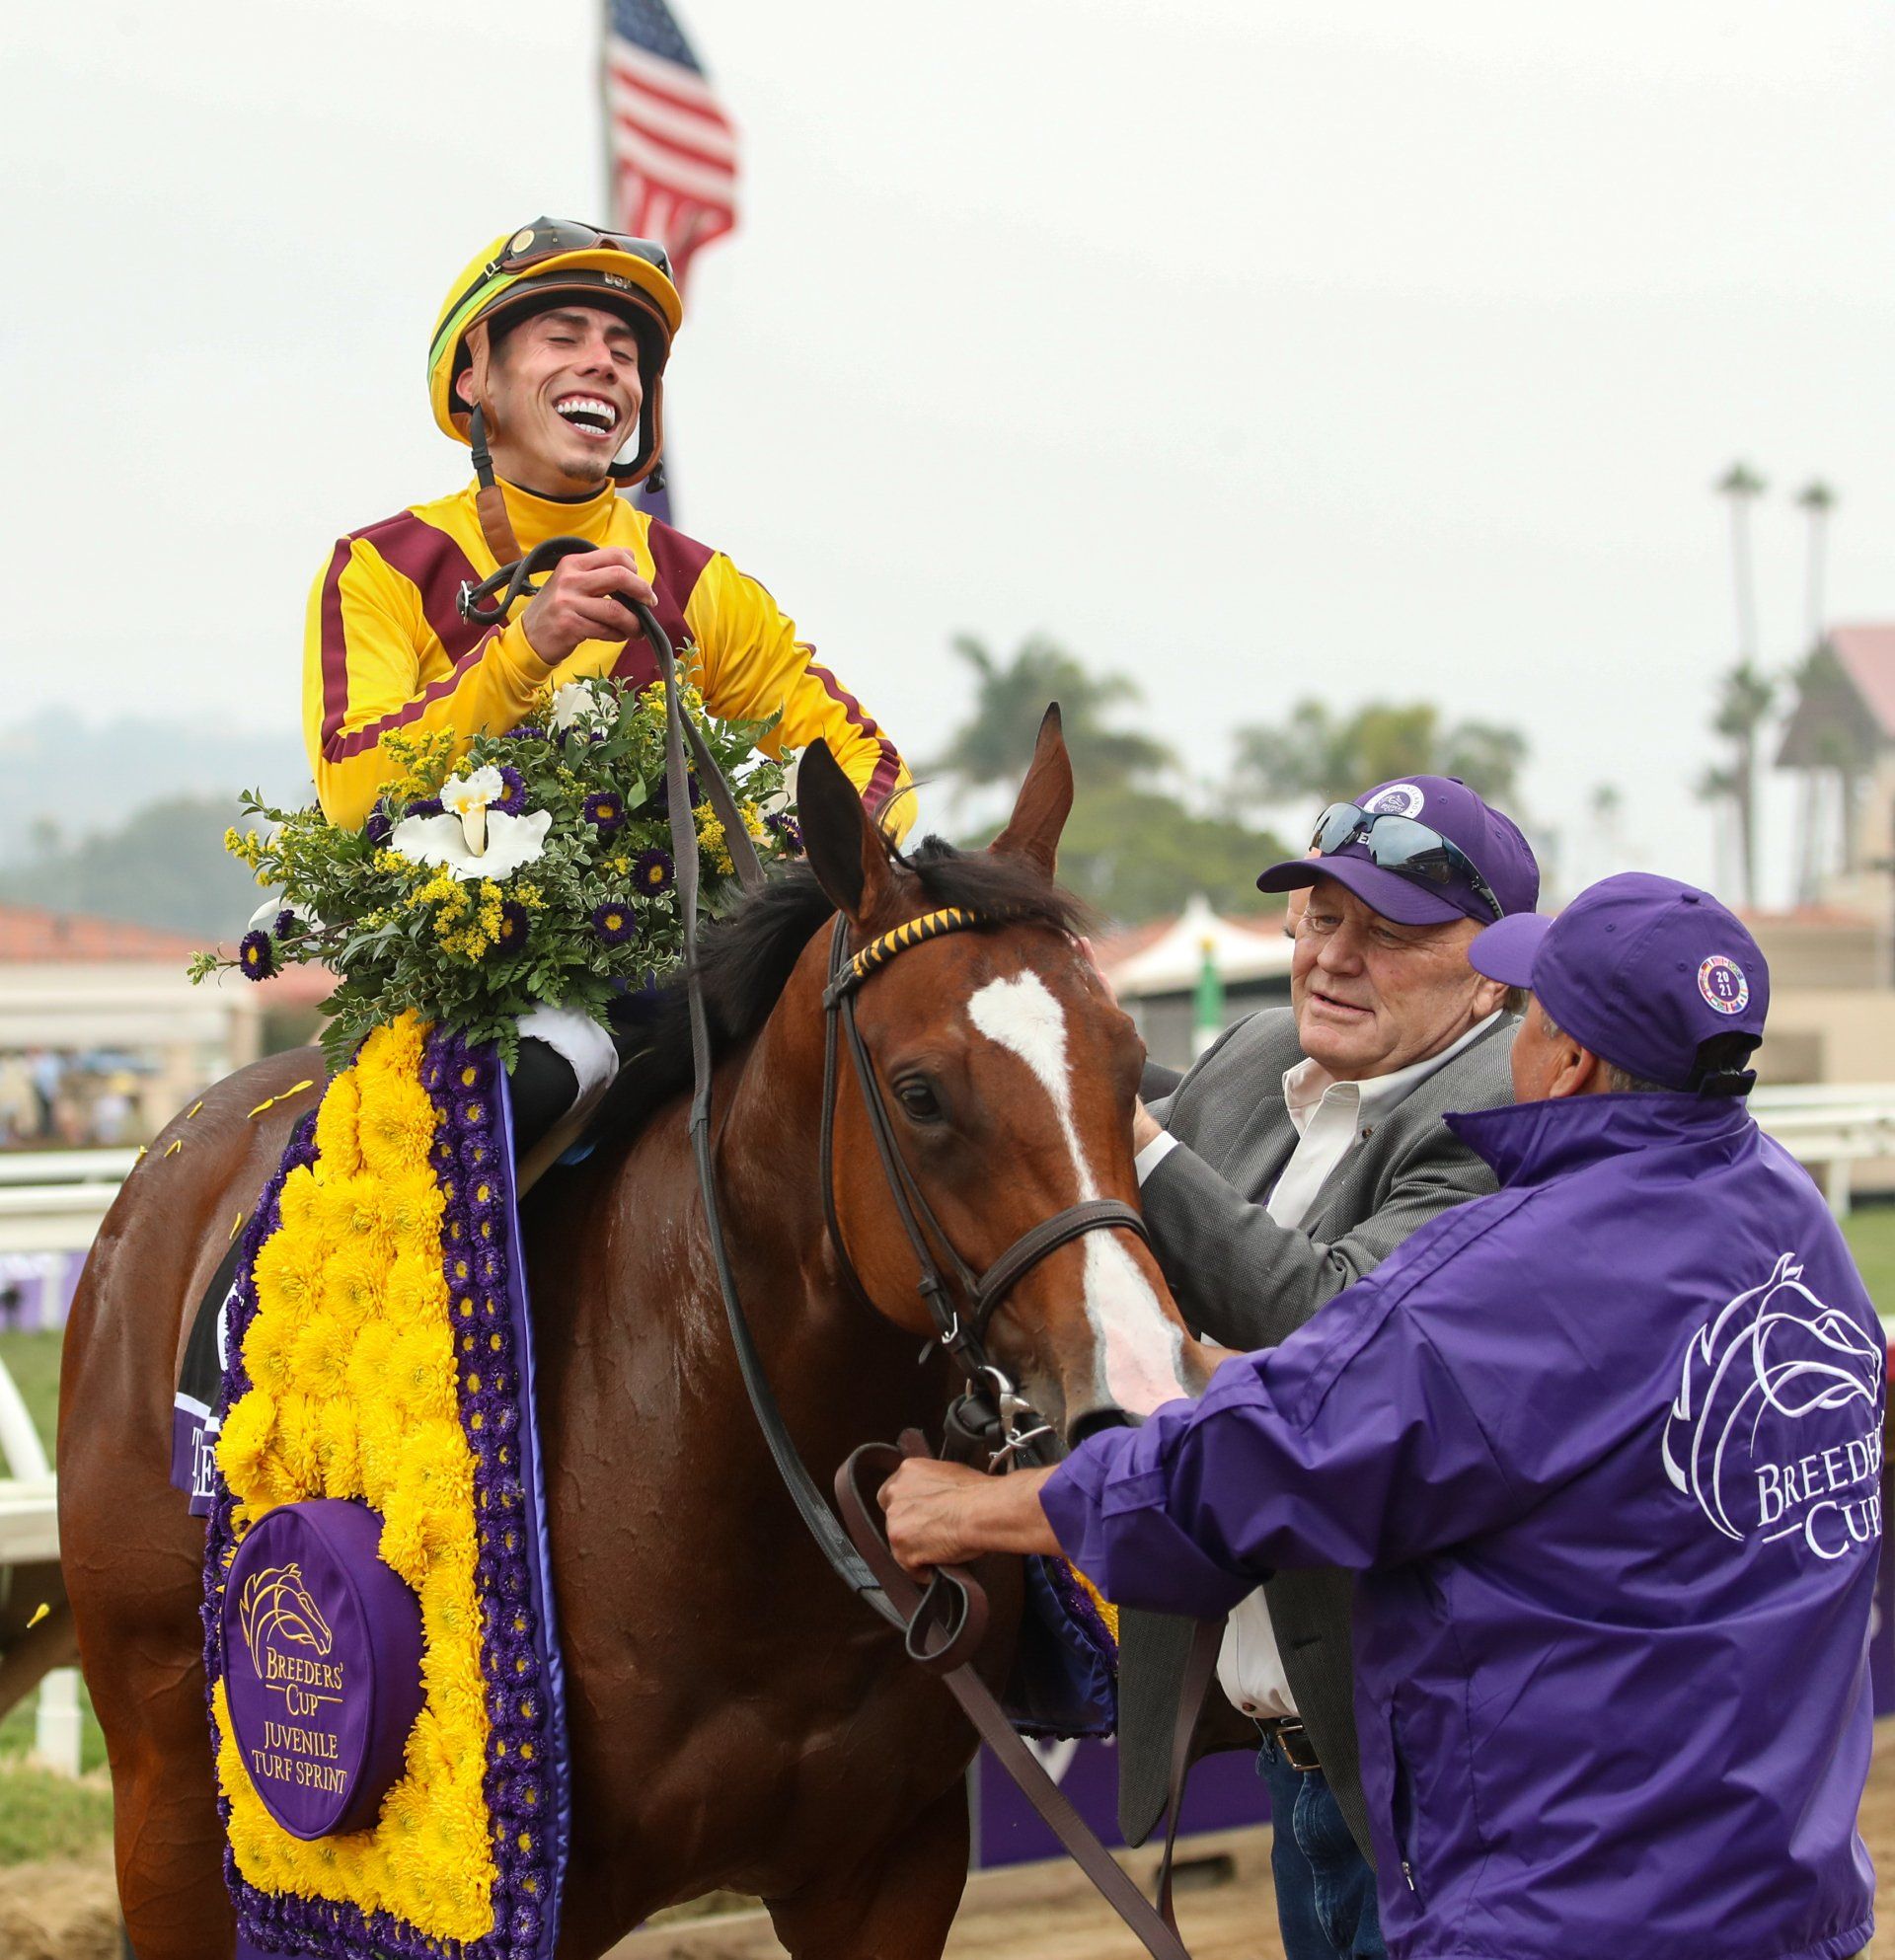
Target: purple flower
x,y
257,955
285,923
513,800
529,731
378,828
512,936
613,920
605,808
427,806
787,830
652,872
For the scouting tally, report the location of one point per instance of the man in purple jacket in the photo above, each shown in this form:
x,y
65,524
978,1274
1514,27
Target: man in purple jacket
x,y
1606,1447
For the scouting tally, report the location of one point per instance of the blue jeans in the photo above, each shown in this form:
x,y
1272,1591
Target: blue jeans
x,y
1325,1886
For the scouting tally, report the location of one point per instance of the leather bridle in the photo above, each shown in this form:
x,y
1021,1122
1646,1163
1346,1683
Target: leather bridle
x,y
960,1303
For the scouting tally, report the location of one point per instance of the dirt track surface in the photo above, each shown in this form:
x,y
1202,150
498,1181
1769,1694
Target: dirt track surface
x,y
66,1910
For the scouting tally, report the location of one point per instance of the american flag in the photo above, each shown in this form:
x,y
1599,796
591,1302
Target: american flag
x,y
673,150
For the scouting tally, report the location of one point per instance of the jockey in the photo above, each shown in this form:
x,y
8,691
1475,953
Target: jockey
x,y
548,361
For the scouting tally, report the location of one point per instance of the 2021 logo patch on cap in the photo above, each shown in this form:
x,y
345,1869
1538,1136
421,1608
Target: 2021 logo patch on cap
x,y
1721,982
1398,799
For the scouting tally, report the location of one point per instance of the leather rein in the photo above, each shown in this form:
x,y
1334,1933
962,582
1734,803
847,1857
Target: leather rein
x,y
943,1626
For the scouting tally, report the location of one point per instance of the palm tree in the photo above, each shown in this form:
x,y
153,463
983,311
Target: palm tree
x,y
996,743
1744,695
1818,499
1743,486
1606,805
1314,754
1717,786
1745,698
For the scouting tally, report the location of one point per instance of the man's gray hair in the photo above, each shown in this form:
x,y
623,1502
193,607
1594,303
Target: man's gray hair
x,y
1620,1082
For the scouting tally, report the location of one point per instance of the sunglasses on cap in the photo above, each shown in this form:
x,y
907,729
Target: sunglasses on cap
x,y
1399,845
549,238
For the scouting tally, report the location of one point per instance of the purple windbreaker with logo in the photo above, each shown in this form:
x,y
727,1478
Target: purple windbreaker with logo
x,y
1606,1448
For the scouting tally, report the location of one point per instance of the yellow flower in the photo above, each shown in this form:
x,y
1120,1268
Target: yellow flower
x,y
246,1437
269,1351
321,1357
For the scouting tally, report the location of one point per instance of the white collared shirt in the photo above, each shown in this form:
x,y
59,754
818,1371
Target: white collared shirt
x,y
1330,1118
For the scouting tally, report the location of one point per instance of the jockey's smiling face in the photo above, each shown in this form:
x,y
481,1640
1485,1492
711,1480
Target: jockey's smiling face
x,y
1371,996
563,398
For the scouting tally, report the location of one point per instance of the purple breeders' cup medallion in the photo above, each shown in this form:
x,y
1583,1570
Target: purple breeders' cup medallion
x,y
322,1654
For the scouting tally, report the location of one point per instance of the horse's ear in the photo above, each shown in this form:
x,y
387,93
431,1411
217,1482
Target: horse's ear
x,y
1046,799
839,837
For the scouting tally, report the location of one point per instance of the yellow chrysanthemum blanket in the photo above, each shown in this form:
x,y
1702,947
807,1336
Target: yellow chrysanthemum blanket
x,y
379,1352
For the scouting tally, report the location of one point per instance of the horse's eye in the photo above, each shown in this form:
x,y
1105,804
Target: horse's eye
x,y
919,1100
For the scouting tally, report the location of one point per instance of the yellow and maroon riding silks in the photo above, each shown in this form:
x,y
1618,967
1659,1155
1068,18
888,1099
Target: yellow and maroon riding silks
x,y
386,647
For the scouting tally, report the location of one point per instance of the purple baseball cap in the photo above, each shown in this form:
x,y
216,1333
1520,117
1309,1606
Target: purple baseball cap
x,y
1490,842
1641,968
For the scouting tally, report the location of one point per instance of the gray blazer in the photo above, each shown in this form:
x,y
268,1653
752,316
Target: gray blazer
x,y
1248,1282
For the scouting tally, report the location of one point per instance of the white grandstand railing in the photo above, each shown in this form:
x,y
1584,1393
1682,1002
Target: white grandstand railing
x,y
30,1536
1836,1125
66,1167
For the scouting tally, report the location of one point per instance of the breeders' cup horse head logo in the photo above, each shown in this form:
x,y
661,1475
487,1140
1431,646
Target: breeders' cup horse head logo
x,y
1774,1352
275,1605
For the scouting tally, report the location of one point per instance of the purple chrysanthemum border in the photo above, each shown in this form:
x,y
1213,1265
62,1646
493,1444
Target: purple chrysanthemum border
x,y
469,1125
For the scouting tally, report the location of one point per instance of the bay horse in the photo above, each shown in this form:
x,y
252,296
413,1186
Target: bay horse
x,y
738,1719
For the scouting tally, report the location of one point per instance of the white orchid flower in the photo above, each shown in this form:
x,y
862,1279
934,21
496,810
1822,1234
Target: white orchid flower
x,y
263,919
467,798
578,703
509,842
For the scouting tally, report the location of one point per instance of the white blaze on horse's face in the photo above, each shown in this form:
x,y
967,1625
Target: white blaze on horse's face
x,y
1140,1350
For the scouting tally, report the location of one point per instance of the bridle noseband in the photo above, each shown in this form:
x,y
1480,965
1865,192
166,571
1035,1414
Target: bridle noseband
x,y
960,1303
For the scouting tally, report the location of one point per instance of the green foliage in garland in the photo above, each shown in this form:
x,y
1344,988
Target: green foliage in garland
x,y
522,869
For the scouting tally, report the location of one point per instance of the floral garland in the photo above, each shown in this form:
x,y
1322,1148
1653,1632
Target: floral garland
x,y
498,874
376,1355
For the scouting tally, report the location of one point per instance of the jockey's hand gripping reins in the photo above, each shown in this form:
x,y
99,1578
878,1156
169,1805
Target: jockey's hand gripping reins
x,y
943,1626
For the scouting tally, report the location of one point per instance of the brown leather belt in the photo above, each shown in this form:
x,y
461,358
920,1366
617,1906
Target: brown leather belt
x,y
1291,1742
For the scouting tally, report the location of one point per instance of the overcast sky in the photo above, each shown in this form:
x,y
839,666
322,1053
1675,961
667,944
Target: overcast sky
x,y
1254,350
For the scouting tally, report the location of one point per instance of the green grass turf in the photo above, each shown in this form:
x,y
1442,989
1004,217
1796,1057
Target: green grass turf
x,y
43,1816
32,1360
1870,1230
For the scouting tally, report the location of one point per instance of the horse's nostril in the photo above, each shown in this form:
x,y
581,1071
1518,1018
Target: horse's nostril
x,y
1108,1416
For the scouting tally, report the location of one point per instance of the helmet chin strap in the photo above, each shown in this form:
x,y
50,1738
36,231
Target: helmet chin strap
x,y
490,501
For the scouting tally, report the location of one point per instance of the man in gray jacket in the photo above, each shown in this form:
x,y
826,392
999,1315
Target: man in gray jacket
x,y
1292,1160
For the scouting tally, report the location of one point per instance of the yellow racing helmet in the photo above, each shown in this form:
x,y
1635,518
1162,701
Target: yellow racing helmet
x,y
532,268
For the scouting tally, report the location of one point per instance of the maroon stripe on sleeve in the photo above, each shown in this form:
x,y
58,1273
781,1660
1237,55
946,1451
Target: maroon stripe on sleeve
x,y
334,645
341,747
887,770
677,564
437,566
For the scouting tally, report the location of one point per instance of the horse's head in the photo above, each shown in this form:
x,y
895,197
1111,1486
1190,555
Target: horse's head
x,y
1008,1075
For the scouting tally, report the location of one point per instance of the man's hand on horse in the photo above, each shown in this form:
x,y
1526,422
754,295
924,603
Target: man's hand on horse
x,y
946,1514
579,602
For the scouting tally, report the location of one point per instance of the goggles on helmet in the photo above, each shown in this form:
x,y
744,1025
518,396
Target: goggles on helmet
x,y
1398,844
535,244
548,238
